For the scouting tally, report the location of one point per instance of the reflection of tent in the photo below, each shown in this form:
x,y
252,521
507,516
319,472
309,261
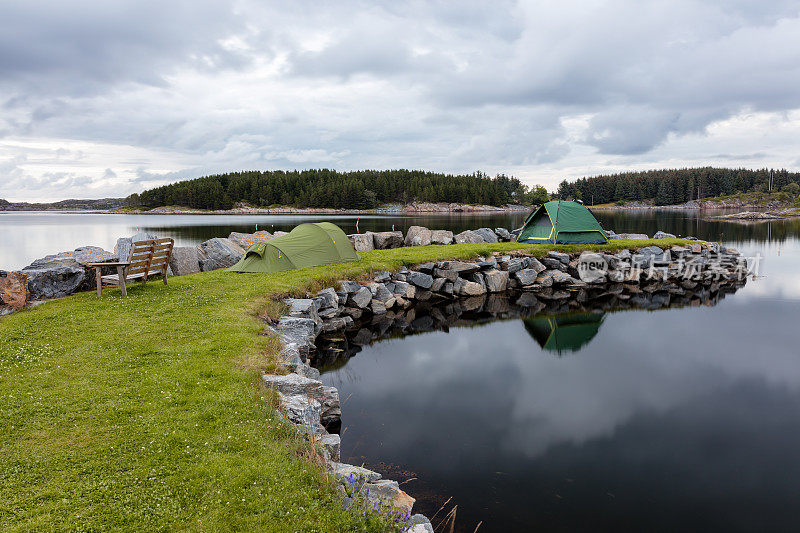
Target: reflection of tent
x,y
310,244
561,333
562,222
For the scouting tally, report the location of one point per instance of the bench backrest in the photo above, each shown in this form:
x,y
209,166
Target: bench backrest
x,y
150,256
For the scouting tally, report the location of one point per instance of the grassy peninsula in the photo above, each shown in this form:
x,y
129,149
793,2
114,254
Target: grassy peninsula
x,y
145,413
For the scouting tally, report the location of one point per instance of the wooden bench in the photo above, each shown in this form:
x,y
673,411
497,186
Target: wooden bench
x,y
147,258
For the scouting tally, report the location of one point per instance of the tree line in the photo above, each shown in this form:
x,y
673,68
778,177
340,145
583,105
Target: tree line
x,y
675,186
363,189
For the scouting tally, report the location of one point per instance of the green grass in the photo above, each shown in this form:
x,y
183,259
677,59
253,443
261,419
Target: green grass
x,y
145,413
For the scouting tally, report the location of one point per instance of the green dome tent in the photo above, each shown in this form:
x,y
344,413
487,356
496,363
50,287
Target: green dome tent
x,y
310,244
562,222
564,333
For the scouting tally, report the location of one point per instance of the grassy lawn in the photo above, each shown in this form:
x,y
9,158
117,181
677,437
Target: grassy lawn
x,y
144,413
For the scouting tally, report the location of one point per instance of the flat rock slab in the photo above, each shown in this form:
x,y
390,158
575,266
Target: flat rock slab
x,y
219,253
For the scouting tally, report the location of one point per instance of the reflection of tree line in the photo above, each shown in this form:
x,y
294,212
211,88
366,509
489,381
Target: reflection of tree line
x,y
557,326
691,224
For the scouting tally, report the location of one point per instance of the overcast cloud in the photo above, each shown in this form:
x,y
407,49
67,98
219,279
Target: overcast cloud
x,y
108,98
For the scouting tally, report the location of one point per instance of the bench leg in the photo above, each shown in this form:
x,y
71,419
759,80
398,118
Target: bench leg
x,y
97,274
121,274
165,276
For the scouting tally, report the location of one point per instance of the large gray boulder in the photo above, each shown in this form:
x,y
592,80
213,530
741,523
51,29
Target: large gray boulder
x,y
388,239
362,242
184,260
468,237
418,236
496,280
124,244
419,279
441,236
54,281
246,240
219,253
487,234
77,258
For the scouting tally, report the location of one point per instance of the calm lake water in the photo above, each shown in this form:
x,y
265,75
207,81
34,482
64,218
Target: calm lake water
x,y
684,419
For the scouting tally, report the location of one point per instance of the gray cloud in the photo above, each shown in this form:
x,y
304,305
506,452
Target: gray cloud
x,y
196,87
77,48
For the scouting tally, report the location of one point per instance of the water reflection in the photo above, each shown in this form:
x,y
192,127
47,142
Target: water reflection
x,y
697,223
563,333
680,419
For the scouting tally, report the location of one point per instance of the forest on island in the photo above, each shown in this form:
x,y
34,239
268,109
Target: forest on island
x,y
364,189
676,186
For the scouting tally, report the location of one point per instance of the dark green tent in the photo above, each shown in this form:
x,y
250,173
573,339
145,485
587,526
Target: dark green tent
x,y
562,222
310,244
562,333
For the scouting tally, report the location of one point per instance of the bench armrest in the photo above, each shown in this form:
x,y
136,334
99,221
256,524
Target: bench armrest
x,y
107,264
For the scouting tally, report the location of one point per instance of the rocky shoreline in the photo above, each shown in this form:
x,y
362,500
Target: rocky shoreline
x,y
359,311
412,208
780,214
107,207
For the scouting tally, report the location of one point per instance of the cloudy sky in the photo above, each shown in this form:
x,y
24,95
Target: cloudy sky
x,y
107,98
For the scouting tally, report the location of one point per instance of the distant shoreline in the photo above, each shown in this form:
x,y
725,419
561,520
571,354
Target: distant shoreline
x,y
410,209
